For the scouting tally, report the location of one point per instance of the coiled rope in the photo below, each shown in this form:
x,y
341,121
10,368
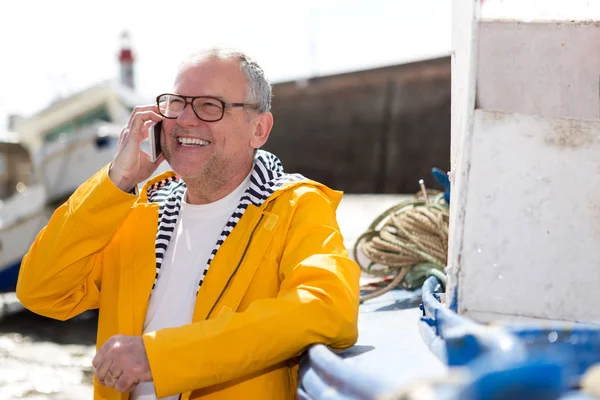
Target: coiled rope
x,y
406,244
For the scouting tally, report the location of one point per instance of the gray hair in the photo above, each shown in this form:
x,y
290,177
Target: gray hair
x,y
258,90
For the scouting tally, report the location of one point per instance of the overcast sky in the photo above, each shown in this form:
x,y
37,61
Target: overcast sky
x,y
53,48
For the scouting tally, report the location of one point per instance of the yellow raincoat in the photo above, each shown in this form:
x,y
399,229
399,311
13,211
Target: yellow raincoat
x,y
279,283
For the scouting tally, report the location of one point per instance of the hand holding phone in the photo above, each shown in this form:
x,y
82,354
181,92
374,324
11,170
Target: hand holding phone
x,y
131,164
154,133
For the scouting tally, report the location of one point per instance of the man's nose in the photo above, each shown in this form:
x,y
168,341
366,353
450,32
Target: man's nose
x,y
187,117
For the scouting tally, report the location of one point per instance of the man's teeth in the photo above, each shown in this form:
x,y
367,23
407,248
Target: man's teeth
x,y
192,142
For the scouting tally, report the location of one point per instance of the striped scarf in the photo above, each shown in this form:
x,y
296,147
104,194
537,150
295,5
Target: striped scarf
x,y
267,176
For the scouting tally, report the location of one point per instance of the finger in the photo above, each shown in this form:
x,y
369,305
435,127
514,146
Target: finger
x,y
101,352
138,129
109,381
103,368
145,128
125,384
138,109
114,372
112,378
137,124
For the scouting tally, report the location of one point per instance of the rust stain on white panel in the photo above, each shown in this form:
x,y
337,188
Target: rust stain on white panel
x,y
571,134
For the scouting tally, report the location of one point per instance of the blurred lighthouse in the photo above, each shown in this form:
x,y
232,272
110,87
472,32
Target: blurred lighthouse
x,y
126,61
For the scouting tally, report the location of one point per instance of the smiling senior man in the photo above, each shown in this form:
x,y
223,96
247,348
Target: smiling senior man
x,y
213,278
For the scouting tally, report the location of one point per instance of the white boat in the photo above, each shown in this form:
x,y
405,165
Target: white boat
x,y
67,162
64,144
23,211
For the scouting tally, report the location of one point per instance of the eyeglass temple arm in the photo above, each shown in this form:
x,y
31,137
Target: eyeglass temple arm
x,y
241,105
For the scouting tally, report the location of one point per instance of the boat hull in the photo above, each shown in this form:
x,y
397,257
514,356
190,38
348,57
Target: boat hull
x,y
15,241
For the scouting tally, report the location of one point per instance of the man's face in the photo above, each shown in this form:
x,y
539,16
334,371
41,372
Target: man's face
x,y
227,149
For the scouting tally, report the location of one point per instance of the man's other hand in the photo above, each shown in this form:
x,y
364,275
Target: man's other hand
x,y
122,363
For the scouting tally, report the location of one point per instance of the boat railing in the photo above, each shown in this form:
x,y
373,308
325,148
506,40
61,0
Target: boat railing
x,y
325,375
501,361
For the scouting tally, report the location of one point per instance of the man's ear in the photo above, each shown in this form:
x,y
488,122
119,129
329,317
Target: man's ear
x,y
262,125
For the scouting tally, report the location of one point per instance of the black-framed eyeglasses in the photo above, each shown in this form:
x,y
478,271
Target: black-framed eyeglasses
x,y
206,108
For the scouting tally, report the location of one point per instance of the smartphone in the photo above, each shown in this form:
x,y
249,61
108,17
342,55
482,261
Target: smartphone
x,y
154,140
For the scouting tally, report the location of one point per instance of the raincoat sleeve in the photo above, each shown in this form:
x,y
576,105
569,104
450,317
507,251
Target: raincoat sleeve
x,y
60,275
317,303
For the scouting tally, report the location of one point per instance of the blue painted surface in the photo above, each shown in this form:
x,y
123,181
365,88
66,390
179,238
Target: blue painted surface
x,y
442,178
575,347
8,277
516,361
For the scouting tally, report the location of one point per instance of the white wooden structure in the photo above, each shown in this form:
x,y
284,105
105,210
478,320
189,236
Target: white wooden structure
x,y
525,163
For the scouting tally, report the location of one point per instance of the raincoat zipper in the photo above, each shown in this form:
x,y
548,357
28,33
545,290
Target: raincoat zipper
x,y
236,268
233,273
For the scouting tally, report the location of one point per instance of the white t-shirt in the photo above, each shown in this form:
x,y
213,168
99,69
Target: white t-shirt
x,y
172,300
